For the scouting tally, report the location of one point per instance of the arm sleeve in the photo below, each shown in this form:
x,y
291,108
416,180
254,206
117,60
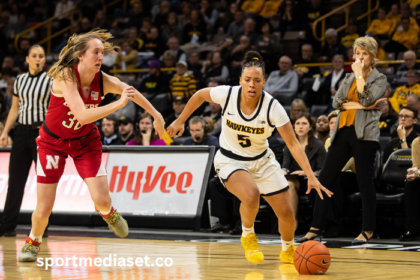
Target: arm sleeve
x,y
278,115
415,150
212,19
219,94
340,96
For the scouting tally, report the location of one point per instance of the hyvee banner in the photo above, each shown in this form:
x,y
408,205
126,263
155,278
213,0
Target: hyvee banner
x,y
72,193
156,183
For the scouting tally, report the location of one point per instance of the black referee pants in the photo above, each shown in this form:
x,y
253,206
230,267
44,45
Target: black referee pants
x,y
345,146
24,151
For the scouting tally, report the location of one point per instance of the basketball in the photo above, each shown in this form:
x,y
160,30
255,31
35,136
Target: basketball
x,y
312,258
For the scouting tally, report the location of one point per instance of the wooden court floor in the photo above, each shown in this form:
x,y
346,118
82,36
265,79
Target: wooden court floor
x,y
191,260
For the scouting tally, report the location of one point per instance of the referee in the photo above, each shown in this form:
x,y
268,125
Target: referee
x,y
31,98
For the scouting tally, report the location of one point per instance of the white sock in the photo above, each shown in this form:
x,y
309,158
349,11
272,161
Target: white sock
x,y
286,244
35,238
246,231
106,212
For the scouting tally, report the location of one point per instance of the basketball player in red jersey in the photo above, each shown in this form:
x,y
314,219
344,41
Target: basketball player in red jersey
x,y
69,129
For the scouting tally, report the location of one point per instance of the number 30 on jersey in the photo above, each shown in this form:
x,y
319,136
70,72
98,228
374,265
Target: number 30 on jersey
x,y
71,122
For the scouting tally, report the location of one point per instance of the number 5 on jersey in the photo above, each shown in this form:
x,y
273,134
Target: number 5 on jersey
x,y
71,122
244,141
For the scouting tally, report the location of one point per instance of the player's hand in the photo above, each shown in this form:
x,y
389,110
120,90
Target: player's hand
x,y
159,125
313,183
176,129
3,140
127,94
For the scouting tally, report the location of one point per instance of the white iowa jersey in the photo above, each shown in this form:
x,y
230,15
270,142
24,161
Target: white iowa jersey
x,y
246,135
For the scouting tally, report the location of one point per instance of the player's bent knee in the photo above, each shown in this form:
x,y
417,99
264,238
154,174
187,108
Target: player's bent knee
x,y
252,201
103,202
42,212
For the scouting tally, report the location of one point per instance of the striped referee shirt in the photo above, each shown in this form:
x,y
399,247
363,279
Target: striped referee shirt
x,y
34,97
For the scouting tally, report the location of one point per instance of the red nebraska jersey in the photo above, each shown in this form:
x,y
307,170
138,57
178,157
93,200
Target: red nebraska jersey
x,y
61,121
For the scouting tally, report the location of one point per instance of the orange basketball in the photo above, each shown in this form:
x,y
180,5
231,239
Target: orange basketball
x,y
312,258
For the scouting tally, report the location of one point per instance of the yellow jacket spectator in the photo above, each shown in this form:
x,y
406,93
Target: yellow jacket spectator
x,y
406,35
183,83
351,36
381,26
406,12
126,58
399,99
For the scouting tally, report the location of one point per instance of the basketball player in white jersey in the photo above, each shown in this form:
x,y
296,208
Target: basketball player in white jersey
x,y
244,163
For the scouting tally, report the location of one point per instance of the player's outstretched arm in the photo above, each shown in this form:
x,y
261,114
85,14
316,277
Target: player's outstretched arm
x,y
114,85
176,129
287,133
84,116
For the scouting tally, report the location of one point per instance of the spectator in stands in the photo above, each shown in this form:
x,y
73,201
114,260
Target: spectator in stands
x,y
413,101
172,29
154,83
332,47
406,13
134,40
126,129
145,28
297,107
209,14
404,38
173,44
314,150
394,14
356,134
282,81
409,63
161,19
314,10
186,14
60,8
381,56
249,31
197,27
9,62
290,17
267,45
20,58
127,57
100,20
229,17
194,65
236,57
235,28
153,43
74,28
350,56
145,134
406,134
412,196
322,131
169,61
210,125
214,68
178,106
109,126
387,119
197,127
331,83
215,115
399,99
183,83
137,15
86,25
381,27
307,57
21,26
352,35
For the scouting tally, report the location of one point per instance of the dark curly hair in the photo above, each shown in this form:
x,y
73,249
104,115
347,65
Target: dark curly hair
x,y
253,58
